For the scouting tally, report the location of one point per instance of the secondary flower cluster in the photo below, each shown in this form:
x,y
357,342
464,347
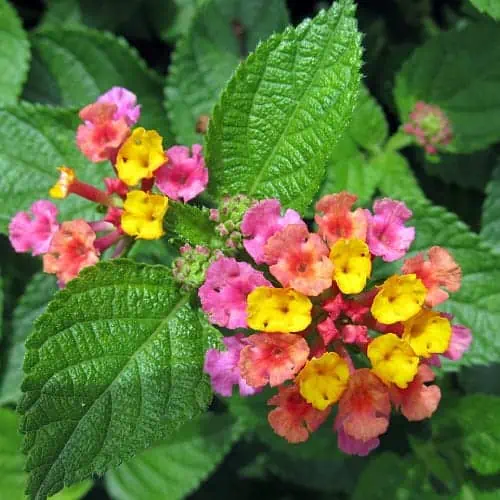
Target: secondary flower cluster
x,y
323,332
131,207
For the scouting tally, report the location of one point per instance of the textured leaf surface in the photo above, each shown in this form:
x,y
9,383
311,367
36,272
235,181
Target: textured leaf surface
x,y
34,141
32,304
177,466
284,108
113,365
85,63
490,227
14,54
458,71
207,56
477,303
12,475
490,7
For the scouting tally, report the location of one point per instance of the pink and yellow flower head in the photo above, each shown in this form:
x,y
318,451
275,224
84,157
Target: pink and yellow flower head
x,y
143,215
140,156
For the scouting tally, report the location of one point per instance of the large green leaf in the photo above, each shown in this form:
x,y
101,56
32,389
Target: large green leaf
x,y
477,303
38,294
85,63
14,54
113,365
177,466
284,108
490,7
458,71
490,227
207,56
34,141
12,476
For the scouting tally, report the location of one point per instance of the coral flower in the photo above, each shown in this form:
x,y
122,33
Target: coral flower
x,y
184,176
337,220
272,358
224,294
34,230
261,222
125,102
440,270
71,250
299,260
294,418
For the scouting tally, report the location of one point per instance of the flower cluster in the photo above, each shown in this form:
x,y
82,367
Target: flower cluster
x,y
321,330
134,200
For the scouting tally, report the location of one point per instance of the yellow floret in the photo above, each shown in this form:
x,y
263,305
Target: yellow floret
x,y
143,215
352,264
393,360
278,310
398,299
323,380
428,333
61,188
140,155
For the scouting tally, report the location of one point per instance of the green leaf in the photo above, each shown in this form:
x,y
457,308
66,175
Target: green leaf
x,y
458,71
32,304
490,7
477,303
490,224
186,223
207,56
34,141
59,12
153,252
396,177
113,366
12,476
14,56
173,19
177,465
85,63
284,109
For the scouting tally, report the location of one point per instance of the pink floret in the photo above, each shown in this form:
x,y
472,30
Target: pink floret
x,y
461,339
125,102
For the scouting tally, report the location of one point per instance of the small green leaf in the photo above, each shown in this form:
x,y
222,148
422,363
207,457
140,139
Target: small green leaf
x,y
458,71
85,63
153,252
12,476
396,177
32,304
490,7
490,224
177,465
207,56
34,141
477,303
113,366
186,223
173,19
14,55
283,110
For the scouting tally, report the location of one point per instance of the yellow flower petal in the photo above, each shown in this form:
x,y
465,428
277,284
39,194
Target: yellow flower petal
x,y
60,189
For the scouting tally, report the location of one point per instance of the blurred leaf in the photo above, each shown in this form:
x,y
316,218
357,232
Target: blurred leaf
x,y
458,71
482,379
153,252
177,465
490,7
41,86
86,63
14,54
59,12
207,56
173,18
34,141
39,291
490,226
283,110
12,476
112,366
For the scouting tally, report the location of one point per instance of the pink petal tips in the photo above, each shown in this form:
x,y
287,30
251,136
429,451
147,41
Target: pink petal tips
x,y
125,102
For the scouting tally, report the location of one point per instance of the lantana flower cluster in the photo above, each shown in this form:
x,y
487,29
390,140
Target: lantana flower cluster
x,y
312,322
134,198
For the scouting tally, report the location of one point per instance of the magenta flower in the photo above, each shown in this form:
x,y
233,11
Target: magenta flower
x,y
224,294
125,102
34,230
387,235
183,177
461,339
223,367
261,222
